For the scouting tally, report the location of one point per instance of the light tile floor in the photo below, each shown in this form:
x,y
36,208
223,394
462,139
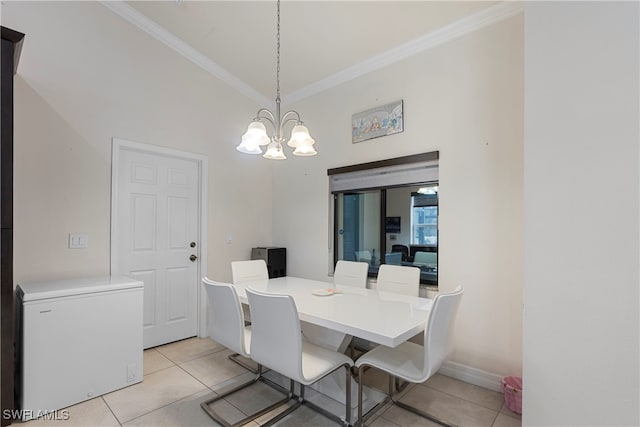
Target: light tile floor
x,y
178,376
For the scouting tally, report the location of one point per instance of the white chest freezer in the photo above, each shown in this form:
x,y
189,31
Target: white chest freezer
x,y
77,339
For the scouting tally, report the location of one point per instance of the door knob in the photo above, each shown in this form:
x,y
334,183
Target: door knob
x,y
193,258
192,244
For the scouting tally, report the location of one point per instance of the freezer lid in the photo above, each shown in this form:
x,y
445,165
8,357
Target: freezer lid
x,y
35,291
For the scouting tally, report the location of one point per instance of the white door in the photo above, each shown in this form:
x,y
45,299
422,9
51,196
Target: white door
x,y
157,239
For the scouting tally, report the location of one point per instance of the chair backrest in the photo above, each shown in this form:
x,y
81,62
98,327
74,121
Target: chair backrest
x,y
430,258
227,318
249,271
276,341
404,249
439,330
399,279
363,256
350,273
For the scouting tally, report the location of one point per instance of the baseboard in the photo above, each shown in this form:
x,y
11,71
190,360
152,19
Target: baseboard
x,y
472,375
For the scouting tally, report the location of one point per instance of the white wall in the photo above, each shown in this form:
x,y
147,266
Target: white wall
x,y
581,323
85,76
465,99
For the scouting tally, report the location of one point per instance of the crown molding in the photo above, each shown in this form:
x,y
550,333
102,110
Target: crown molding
x,y
161,34
491,15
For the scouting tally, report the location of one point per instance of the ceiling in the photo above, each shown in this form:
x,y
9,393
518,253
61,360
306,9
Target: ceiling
x,y
320,40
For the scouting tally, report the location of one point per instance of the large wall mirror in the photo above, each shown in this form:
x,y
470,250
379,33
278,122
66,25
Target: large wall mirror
x,y
388,214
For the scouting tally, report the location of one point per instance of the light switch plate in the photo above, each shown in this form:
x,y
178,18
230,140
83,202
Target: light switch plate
x,y
78,241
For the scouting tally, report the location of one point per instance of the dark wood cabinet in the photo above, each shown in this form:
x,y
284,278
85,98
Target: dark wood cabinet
x,y
11,48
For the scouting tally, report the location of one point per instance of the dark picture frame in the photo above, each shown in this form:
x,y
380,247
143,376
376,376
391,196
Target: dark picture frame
x,y
392,224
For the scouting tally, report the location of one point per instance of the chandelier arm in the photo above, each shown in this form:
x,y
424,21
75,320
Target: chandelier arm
x,y
269,117
285,119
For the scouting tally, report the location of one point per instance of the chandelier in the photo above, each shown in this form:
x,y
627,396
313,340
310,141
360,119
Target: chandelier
x,y
256,135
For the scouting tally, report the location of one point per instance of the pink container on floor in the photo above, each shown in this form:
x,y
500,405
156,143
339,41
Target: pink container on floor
x,y
512,387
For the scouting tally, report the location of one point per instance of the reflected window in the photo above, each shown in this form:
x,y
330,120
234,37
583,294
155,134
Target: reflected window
x,y
424,216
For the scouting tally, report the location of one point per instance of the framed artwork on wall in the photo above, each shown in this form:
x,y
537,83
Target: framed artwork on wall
x,y
376,122
392,224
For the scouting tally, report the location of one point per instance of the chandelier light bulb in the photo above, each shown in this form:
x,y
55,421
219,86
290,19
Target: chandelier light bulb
x,y
299,135
256,133
274,152
305,149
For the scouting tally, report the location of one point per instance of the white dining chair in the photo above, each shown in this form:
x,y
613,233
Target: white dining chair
x,y
412,362
399,279
227,328
351,273
249,271
276,343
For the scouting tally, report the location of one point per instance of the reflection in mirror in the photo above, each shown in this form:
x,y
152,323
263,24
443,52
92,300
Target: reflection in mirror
x,y
358,225
415,241
397,225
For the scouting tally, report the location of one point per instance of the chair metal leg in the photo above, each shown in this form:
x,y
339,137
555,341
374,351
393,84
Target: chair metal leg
x,y
216,417
235,357
302,401
346,421
422,414
286,412
401,385
393,381
347,403
363,417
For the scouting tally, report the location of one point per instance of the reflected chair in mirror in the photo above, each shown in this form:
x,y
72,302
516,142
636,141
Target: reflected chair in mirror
x,y
351,273
227,328
393,258
363,256
399,279
276,343
428,259
403,249
412,362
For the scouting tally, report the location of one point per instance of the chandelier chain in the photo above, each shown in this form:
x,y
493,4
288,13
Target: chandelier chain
x,y
256,134
278,55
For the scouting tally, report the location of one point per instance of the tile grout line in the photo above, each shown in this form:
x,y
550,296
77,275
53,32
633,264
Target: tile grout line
x,y
111,410
213,391
462,398
192,376
218,350
496,417
170,403
164,406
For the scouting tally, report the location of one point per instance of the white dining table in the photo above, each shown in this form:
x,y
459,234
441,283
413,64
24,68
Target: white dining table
x,y
332,320
385,318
